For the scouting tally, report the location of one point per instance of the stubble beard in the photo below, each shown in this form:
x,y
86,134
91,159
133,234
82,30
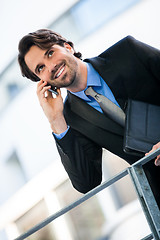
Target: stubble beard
x,y
69,78
65,83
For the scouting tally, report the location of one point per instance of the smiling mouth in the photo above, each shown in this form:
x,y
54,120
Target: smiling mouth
x,y
60,71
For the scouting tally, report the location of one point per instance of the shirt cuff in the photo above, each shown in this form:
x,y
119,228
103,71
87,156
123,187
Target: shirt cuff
x,y
61,135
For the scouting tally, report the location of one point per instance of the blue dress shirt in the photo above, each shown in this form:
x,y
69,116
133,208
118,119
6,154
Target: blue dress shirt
x,y
99,85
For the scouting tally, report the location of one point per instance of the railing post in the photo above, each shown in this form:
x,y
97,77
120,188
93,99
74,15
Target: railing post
x,y
146,199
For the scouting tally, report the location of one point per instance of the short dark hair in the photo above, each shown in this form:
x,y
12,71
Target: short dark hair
x,y
44,39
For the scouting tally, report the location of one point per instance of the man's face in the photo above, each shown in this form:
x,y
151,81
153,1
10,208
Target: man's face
x,y
57,65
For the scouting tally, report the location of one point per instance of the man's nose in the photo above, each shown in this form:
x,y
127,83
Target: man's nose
x,y
51,67
48,72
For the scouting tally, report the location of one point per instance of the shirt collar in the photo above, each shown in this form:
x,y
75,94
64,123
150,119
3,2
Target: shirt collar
x,y
93,79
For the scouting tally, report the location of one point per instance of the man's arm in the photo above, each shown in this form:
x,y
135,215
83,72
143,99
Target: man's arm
x,y
82,160
80,156
52,107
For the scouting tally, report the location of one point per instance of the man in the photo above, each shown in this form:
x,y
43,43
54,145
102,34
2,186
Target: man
x,y
128,69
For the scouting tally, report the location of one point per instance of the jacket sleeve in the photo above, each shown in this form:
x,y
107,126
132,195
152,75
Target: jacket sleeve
x,y
82,160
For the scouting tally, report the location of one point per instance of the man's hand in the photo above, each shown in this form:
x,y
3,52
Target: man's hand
x,y
155,147
52,107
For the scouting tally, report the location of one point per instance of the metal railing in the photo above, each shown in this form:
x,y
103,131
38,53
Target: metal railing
x,y
142,187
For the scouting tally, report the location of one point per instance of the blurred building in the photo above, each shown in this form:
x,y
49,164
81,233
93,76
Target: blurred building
x,y
33,182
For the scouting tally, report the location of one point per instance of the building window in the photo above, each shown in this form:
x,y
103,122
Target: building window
x,y
13,177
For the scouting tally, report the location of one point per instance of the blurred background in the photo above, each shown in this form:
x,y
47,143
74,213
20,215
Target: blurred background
x,y
33,183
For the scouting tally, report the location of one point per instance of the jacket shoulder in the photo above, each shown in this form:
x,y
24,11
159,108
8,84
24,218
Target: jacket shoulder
x,y
120,45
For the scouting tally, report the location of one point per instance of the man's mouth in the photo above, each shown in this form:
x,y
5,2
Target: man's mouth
x,y
60,71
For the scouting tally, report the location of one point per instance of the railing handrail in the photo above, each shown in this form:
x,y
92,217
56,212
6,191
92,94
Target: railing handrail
x,y
88,195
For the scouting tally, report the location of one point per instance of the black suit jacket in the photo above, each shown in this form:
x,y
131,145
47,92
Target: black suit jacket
x,y
132,70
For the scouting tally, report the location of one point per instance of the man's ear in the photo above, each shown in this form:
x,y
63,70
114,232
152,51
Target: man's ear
x,y
69,48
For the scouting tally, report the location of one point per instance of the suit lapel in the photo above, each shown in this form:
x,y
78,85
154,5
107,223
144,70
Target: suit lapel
x,y
93,116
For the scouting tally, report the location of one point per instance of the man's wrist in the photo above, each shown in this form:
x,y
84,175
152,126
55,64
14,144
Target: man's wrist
x,y
59,126
61,135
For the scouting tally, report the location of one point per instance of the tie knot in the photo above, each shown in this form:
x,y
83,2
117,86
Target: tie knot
x,y
89,91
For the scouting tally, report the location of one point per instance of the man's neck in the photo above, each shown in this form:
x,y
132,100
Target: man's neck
x,y
81,80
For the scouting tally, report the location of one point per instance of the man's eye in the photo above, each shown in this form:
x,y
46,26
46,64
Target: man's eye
x,y
40,68
50,53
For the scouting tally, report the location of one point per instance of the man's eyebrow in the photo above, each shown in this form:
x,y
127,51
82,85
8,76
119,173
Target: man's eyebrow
x,y
46,53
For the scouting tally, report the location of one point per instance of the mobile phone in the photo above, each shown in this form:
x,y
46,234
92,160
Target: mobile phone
x,y
52,89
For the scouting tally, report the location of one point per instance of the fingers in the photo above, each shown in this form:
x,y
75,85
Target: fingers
x,y
45,96
42,88
155,147
41,84
157,161
59,91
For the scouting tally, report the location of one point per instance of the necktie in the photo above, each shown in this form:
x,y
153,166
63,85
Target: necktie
x,y
108,107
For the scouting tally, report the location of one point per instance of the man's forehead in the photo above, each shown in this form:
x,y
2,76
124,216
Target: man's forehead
x,y
36,49
33,56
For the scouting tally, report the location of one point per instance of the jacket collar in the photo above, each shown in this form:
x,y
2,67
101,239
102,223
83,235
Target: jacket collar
x,y
103,67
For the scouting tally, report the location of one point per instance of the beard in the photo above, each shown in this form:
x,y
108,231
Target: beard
x,y
66,81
